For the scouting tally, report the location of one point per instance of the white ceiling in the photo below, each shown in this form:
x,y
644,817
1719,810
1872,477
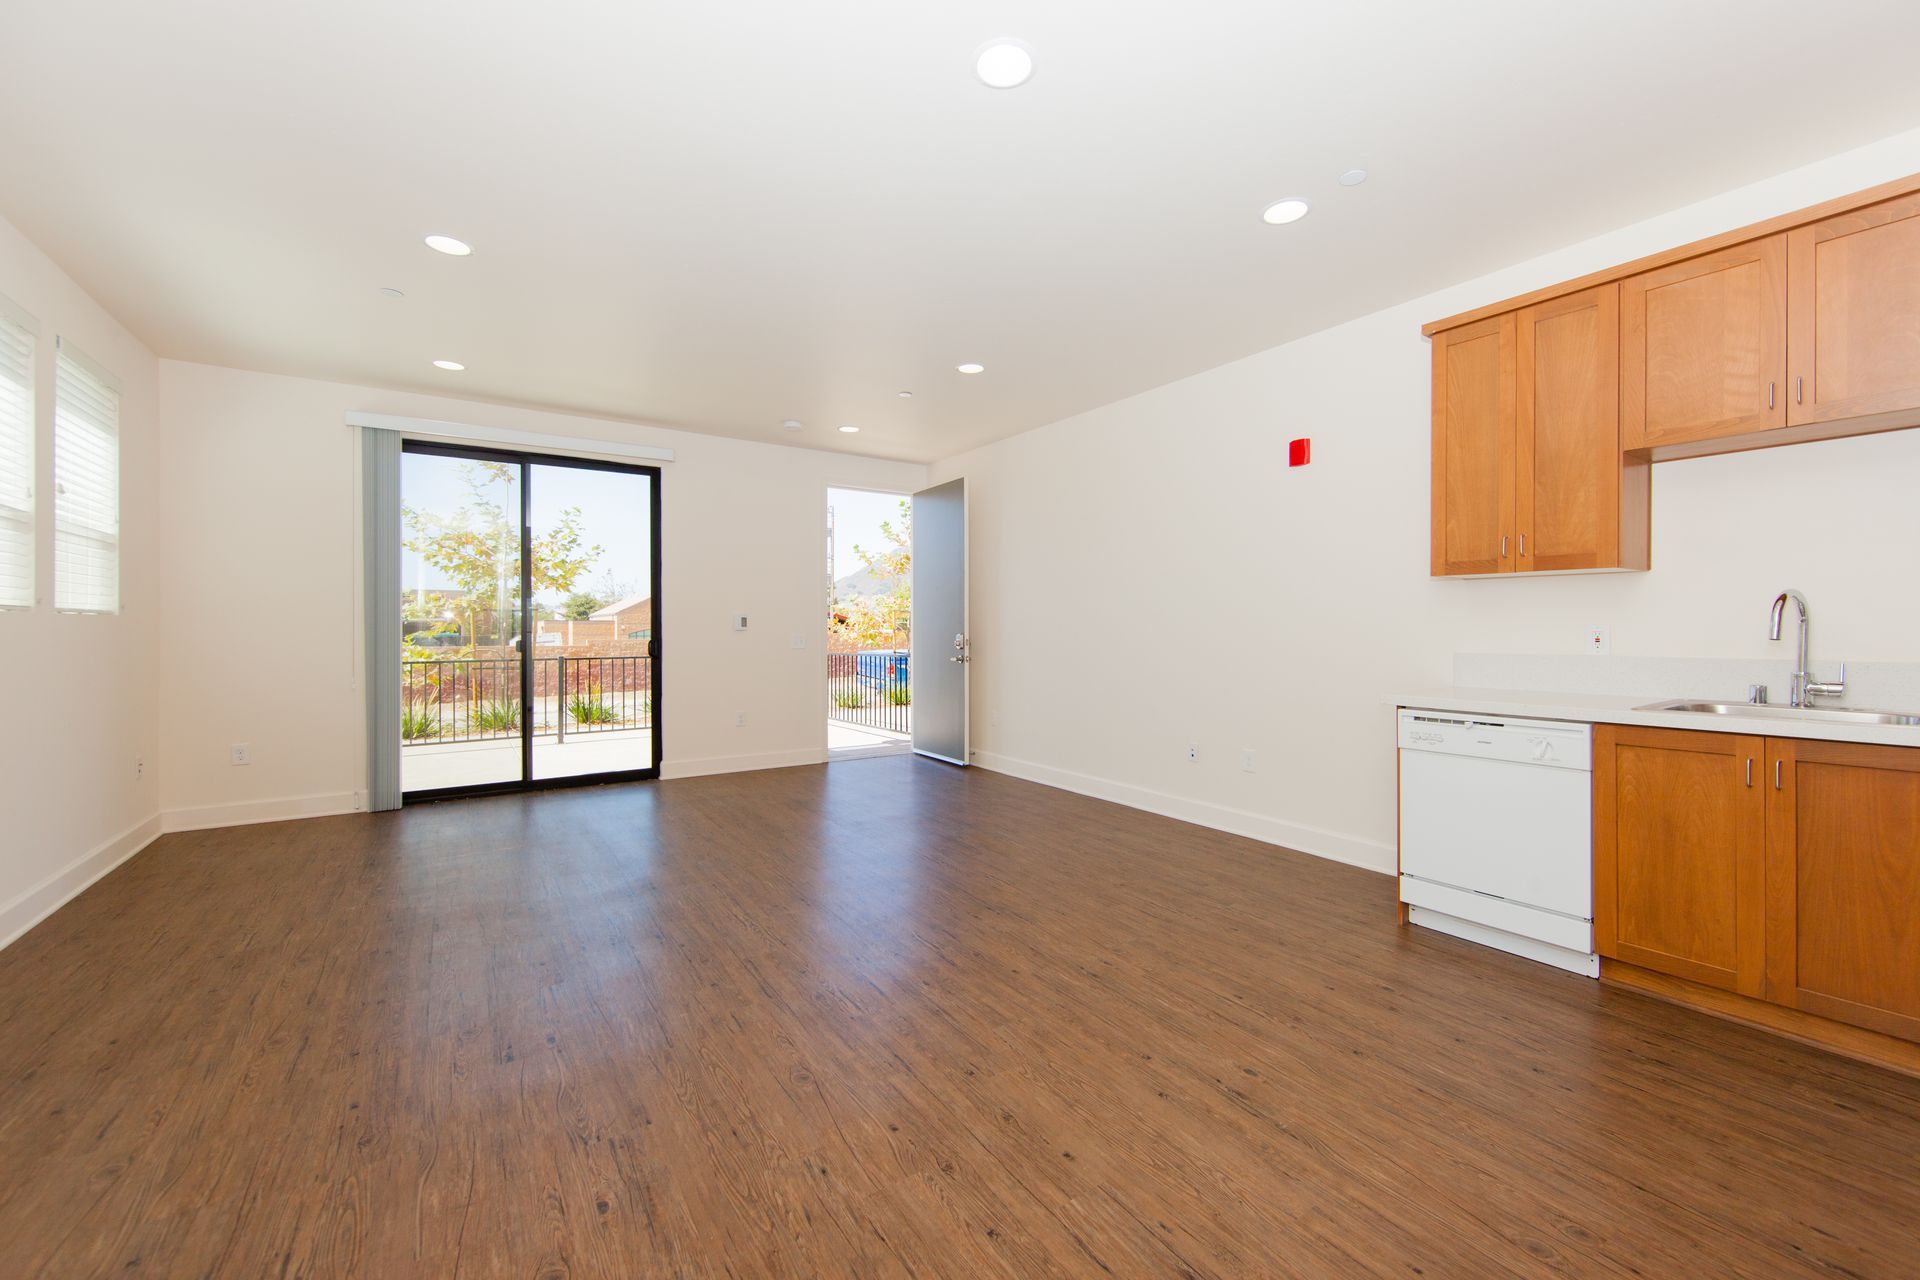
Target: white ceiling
x,y
719,215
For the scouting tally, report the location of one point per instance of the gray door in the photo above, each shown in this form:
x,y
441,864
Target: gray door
x,y
940,649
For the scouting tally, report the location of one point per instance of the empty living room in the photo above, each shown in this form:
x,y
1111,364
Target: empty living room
x,y
858,639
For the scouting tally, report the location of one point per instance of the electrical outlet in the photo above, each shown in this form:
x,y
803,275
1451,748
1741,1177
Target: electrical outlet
x,y
139,769
739,719
243,753
799,640
1246,759
739,622
1599,640
1193,753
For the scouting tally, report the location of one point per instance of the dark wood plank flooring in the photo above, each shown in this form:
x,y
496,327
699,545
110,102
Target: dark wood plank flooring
x,y
883,1018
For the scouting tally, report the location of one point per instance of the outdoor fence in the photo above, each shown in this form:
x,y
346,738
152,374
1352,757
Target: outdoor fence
x,y
871,689
475,699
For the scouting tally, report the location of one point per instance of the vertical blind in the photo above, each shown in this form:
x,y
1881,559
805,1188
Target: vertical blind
x,y
16,461
86,486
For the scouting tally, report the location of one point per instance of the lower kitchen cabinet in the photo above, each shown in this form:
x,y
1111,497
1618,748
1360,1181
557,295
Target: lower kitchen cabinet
x,y
1679,854
1778,868
1843,882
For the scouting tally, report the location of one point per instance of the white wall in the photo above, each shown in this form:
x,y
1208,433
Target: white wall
x,y
79,760
260,636
1151,574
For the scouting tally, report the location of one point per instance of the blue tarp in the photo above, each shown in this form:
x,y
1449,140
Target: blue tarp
x,y
882,668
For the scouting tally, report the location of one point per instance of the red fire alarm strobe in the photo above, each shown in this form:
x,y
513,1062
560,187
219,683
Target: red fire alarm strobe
x,y
1299,452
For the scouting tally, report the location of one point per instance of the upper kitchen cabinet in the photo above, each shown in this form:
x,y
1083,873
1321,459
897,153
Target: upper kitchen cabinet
x,y
1576,505
1473,448
1527,470
1853,326
1704,347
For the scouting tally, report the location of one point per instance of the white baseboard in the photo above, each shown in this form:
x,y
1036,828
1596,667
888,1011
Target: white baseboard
x,y
62,887
248,812
742,764
1336,846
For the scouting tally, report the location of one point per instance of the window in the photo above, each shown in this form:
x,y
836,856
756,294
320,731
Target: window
x,y
16,459
86,485
645,633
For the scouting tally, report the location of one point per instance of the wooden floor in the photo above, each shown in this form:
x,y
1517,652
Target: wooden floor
x,y
881,1018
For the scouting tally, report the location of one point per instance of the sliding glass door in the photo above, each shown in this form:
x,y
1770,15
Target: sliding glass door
x,y
529,621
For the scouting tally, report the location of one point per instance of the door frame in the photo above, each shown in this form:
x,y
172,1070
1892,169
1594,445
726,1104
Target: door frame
x,y
526,460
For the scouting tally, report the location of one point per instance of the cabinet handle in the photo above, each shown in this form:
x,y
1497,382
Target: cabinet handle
x,y
1523,544
1503,546
1799,387
1776,775
1770,395
1749,770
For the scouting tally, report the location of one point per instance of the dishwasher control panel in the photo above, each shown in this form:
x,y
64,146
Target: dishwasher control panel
x,y
1556,744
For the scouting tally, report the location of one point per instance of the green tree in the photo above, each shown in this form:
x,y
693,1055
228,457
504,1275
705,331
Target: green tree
x,y
477,547
881,620
581,605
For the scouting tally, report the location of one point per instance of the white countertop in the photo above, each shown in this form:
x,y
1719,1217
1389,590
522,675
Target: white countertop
x,y
1602,708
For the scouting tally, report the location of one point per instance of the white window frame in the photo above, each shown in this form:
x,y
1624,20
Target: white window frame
x,y
65,352
26,515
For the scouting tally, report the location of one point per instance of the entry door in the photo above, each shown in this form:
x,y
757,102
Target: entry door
x,y
942,654
529,619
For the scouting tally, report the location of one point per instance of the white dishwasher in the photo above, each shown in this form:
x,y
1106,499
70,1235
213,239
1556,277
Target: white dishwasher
x,y
1496,832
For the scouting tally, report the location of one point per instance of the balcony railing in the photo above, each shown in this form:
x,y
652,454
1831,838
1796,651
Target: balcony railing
x,y
476,699
871,689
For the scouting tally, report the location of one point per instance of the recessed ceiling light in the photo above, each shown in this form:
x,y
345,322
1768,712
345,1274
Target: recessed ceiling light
x,y
971,368
904,395
392,293
1281,212
447,244
451,366
793,424
1353,177
850,430
1003,64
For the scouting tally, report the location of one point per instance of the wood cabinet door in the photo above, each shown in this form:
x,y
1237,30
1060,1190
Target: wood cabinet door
x,y
1679,854
1473,448
1843,882
1853,323
1567,507
1704,346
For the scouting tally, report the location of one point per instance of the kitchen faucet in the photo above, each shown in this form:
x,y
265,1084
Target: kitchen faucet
x,y
1805,687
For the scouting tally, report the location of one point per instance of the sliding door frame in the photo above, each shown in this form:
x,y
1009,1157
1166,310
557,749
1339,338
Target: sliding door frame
x,y
525,462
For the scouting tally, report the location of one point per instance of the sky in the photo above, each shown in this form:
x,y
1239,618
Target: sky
x,y
857,516
613,514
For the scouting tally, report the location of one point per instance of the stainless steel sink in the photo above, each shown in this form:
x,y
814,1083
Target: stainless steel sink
x,y
1768,711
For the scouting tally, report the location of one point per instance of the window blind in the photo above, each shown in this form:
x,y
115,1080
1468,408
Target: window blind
x,y
16,460
86,486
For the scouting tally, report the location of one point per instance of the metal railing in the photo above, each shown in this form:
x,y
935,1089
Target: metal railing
x,y
871,689
476,699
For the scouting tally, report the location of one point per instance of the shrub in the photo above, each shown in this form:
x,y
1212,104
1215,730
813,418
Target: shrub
x,y
496,716
849,699
900,696
587,710
417,723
